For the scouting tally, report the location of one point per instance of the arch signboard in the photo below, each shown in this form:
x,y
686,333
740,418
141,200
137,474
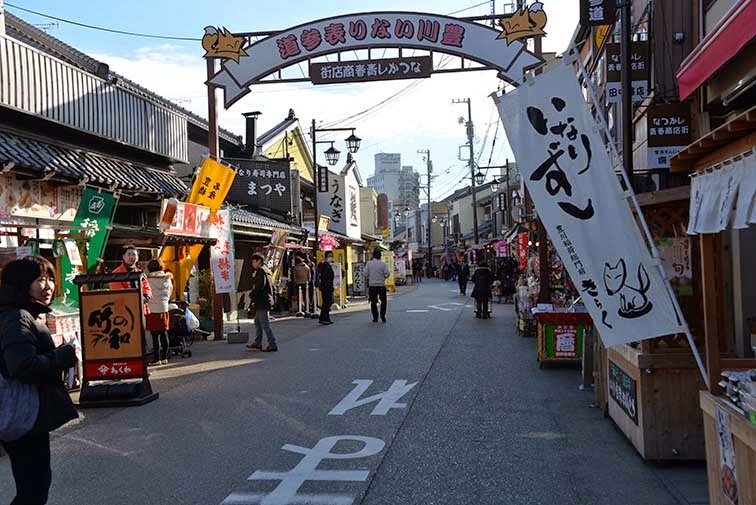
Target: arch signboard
x,y
501,50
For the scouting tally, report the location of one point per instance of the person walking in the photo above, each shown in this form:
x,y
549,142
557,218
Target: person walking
x,y
301,279
325,284
462,277
29,356
376,273
262,297
482,279
158,320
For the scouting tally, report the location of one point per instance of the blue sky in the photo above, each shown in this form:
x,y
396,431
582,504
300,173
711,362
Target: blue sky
x,y
422,117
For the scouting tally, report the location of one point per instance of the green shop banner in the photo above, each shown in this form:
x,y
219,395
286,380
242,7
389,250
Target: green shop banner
x,y
93,218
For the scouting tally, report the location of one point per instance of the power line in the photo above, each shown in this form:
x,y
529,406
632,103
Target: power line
x,y
101,28
148,35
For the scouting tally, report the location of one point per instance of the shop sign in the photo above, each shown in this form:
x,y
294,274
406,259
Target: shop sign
x,y
37,199
189,219
565,341
584,209
675,257
371,70
597,12
328,242
222,253
600,34
502,249
112,335
522,250
623,390
727,468
639,76
358,278
322,179
388,258
351,32
94,216
275,251
262,185
668,132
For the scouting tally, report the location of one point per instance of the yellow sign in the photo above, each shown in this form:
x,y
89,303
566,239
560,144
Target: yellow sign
x,y
210,189
339,281
523,23
111,324
323,223
385,232
220,43
388,258
600,35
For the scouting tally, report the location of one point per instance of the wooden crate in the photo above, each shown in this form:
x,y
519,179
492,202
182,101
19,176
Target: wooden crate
x,y
744,441
668,424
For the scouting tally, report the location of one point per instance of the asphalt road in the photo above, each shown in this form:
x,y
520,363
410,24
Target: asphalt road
x,y
432,407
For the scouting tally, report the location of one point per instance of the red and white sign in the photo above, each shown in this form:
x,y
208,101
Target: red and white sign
x,y
565,341
328,242
188,219
114,369
502,249
222,253
522,249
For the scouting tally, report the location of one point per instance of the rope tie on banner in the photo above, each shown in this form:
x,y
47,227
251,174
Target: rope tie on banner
x,y
571,53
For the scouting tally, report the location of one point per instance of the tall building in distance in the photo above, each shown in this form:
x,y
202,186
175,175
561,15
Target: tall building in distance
x,y
409,188
400,183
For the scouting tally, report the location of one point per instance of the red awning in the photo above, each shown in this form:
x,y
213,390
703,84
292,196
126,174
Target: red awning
x,y
736,29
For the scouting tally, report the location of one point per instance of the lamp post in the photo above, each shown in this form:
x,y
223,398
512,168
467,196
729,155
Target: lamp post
x,y
332,157
473,176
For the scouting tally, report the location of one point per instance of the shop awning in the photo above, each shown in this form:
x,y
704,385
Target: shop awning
x,y
40,158
250,223
736,29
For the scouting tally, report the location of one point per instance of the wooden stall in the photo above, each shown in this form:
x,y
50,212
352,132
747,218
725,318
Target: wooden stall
x,y
650,389
727,283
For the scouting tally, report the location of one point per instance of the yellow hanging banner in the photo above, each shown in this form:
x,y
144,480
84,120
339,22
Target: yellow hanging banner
x,y
209,189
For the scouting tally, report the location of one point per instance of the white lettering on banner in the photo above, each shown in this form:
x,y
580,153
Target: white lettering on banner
x,y
222,254
567,170
306,470
386,400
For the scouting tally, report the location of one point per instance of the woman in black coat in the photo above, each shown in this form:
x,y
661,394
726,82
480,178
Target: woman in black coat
x,y
28,355
482,279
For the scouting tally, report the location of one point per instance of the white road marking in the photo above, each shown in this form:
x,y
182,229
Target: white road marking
x,y
306,470
418,310
455,303
386,400
439,308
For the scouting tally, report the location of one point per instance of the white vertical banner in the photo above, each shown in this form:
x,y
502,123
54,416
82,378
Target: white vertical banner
x,y
569,175
222,253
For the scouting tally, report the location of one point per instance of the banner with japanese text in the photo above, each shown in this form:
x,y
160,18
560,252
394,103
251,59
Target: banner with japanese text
x,y
94,216
578,197
222,253
209,189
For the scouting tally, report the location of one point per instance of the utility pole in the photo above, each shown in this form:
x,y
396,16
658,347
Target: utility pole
x,y
470,135
626,85
429,167
316,173
214,151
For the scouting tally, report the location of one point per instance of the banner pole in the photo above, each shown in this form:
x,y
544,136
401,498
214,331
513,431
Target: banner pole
x,y
630,193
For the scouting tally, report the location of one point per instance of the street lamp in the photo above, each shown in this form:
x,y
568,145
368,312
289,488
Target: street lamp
x,y
495,186
480,177
332,157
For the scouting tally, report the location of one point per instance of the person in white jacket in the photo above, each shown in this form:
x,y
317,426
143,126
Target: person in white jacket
x,y
376,273
158,320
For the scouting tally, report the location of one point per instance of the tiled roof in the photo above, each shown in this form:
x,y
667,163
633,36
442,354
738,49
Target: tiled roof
x,y
281,127
75,164
248,217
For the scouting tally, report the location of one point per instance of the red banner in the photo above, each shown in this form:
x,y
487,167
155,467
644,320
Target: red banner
x,y
522,249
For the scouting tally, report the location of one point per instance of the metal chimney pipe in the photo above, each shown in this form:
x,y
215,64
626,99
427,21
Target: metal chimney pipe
x,y
250,145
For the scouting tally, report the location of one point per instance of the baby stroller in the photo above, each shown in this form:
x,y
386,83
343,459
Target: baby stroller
x,y
180,336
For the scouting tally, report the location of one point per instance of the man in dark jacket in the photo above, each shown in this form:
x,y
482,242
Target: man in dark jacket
x,y
262,297
462,277
325,284
28,355
482,279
